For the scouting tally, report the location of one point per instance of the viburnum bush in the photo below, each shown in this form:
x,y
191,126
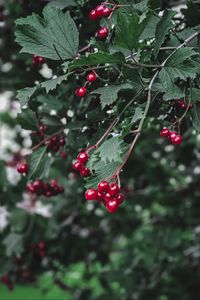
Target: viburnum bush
x,y
121,73
136,62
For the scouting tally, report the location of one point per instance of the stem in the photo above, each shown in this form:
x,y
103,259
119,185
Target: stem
x,y
137,134
46,139
115,121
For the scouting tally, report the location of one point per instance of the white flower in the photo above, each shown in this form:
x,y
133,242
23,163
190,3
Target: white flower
x,y
4,214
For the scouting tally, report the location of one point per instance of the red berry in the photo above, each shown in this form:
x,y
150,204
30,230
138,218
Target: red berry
x,y
38,60
62,141
165,132
42,129
61,189
93,15
80,92
91,77
172,135
112,206
91,194
177,140
190,106
48,194
102,33
63,154
83,157
30,187
85,172
100,10
107,197
120,198
5,279
106,11
41,245
53,183
77,166
103,186
113,189
22,168
100,196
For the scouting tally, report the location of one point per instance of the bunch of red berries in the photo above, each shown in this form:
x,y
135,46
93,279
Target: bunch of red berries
x,y
79,164
39,248
181,104
55,143
109,194
22,168
50,189
81,91
7,281
175,138
38,61
99,12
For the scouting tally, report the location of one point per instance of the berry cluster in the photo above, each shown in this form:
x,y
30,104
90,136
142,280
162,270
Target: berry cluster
x,y
38,61
50,189
181,104
81,91
55,143
176,139
99,12
79,164
39,249
109,194
7,281
22,168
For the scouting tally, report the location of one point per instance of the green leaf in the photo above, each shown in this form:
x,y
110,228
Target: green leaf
x,y
97,58
39,163
50,102
137,115
62,3
195,95
110,150
13,244
142,6
150,28
128,31
169,88
180,56
24,95
162,29
109,94
27,120
196,116
54,36
52,84
102,170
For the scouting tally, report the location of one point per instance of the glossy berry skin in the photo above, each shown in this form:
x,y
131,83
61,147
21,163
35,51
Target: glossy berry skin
x,y
107,197
93,15
100,196
62,141
85,172
165,132
103,186
22,168
172,135
41,245
38,60
177,140
106,11
112,206
91,194
83,157
81,92
113,189
120,199
77,166
91,77
102,33
100,10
